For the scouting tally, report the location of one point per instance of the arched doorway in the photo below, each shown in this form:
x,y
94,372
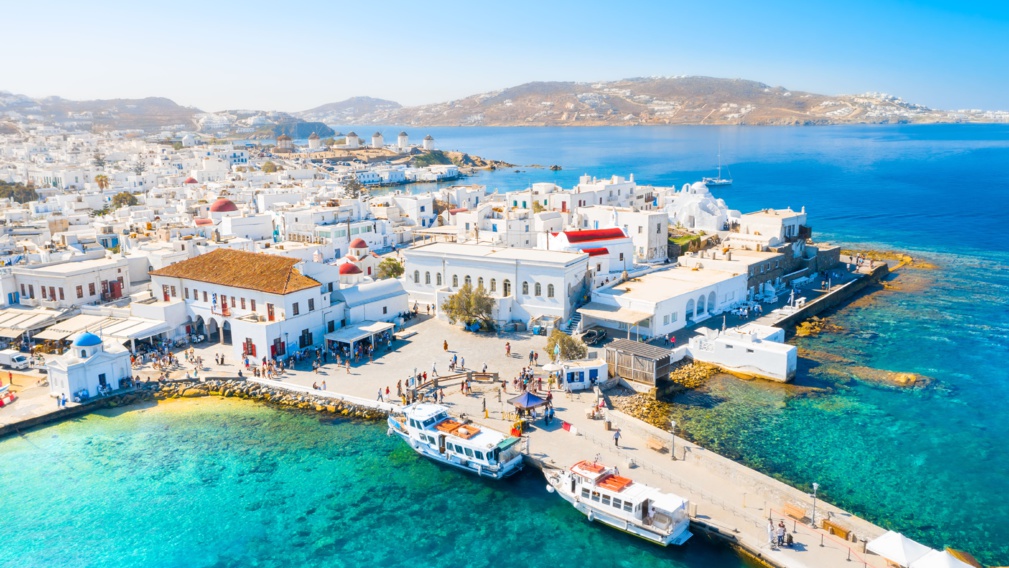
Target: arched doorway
x,y
226,330
213,331
690,309
711,302
700,305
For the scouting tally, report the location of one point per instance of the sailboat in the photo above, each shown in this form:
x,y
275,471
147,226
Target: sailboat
x,y
718,180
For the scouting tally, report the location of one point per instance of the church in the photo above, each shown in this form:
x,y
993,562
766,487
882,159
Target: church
x,y
87,368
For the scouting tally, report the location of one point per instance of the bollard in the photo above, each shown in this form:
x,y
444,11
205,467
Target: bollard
x,y
849,555
821,541
793,525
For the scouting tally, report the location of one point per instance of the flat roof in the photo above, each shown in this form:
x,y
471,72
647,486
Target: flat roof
x,y
665,284
73,266
638,348
774,213
502,253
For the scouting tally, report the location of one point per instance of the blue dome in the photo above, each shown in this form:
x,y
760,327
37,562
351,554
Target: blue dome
x,y
87,339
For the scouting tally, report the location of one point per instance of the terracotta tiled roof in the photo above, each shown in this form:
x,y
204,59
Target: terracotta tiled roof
x,y
596,251
263,272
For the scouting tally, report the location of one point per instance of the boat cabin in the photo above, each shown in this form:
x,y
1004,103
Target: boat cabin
x,y
602,487
458,441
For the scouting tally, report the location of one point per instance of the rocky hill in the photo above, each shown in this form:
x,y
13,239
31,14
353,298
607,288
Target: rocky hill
x,y
150,114
346,112
655,101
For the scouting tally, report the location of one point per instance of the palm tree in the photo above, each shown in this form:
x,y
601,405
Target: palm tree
x,y
102,180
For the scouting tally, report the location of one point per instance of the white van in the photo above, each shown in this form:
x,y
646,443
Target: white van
x,y
13,359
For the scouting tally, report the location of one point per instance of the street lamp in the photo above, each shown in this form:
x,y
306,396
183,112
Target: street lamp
x,y
812,519
672,444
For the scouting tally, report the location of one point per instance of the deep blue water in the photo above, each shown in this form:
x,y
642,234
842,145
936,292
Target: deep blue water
x,y
221,489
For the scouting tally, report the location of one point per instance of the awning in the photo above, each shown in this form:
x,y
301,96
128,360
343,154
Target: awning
x,y
10,333
613,313
936,559
508,442
52,334
377,327
357,332
527,400
897,548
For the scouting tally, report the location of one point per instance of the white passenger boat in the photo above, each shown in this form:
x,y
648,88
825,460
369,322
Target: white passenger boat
x,y
603,495
432,433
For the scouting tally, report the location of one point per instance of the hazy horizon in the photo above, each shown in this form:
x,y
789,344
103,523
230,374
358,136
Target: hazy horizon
x,y
255,56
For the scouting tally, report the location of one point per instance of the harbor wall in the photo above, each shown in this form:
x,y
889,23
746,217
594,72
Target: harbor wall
x,y
832,300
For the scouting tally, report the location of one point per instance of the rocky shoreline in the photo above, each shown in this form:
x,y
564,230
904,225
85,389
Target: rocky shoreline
x,y
233,388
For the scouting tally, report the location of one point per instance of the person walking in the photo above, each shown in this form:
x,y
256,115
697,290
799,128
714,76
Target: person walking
x,y
508,349
434,369
616,438
531,354
781,533
771,533
445,345
379,395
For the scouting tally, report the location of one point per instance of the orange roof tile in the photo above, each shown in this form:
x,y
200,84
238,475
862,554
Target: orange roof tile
x,y
263,272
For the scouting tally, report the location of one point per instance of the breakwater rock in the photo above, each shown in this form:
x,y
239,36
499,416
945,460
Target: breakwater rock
x,y
693,374
815,326
644,408
267,394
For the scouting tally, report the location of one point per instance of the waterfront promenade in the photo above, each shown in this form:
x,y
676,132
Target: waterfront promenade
x,y
727,499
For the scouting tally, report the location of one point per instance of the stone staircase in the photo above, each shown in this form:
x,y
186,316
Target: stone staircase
x,y
572,324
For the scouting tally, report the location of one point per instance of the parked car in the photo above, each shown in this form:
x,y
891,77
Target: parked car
x,y
593,336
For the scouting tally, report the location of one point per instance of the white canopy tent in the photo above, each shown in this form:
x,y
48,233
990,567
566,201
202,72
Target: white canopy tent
x,y
897,548
937,559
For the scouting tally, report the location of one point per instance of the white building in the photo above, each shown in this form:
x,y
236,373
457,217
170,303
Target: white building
x,y
694,208
648,230
402,142
525,283
70,284
751,349
87,365
377,141
428,143
663,302
258,303
351,141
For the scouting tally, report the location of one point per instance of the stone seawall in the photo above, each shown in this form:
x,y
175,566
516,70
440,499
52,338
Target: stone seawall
x,y
832,300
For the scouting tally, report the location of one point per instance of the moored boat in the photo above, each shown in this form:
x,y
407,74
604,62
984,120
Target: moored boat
x,y
603,495
432,433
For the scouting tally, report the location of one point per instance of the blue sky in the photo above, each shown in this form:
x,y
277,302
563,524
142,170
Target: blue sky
x,y
296,55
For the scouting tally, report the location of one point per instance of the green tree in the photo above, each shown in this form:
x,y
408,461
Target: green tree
x,y
329,142
139,168
571,348
123,199
354,188
538,207
389,268
98,160
269,167
18,192
470,304
177,146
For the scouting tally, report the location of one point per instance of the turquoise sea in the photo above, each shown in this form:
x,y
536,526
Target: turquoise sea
x,y
235,484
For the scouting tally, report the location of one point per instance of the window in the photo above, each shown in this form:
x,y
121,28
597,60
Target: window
x,y
617,503
232,298
469,280
91,288
479,282
493,285
507,288
204,295
550,290
628,506
61,293
469,452
621,257
416,276
311,304
585,493
185,293
455,280
673,317
658,229
539,289
728,347
478,454
385,309
438,278
595,496
427,278
243,303
294,308
44,293
252,305
80,291
525,288
640,229
173,292
665,319
606,499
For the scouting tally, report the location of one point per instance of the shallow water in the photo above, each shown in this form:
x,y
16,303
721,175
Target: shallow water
x,y
219,483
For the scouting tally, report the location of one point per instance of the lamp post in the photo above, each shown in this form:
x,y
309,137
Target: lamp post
x,y
812,519
672,444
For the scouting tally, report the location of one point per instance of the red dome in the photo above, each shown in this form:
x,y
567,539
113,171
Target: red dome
x,y
204,221
223,205
358,243
349,268
190,180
